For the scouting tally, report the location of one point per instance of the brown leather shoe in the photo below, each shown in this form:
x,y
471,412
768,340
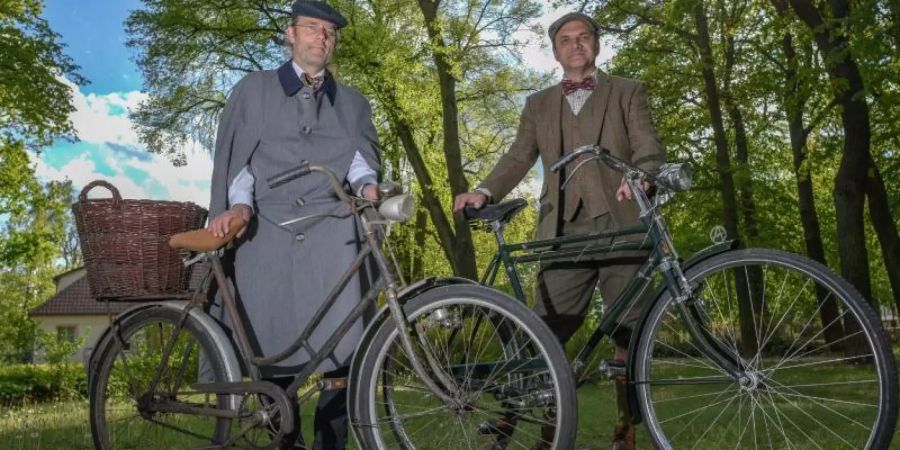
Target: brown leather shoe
x,y
623,437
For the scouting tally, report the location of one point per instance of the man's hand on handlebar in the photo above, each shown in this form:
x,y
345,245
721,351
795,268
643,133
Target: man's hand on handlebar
x,y
476,199
218,226
370,192
624,191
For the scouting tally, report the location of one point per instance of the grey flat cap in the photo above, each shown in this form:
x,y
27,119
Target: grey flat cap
x,y
558,23
319,10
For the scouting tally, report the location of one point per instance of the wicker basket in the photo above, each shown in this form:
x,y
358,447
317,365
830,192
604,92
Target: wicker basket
x,y
125,244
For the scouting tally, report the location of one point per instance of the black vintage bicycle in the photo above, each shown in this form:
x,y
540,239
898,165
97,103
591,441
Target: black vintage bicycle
x,y
739,348
440,359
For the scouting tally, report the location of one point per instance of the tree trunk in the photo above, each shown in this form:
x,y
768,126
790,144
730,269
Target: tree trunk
x,y
793,103
850,183
463,248
723,165
418,268
885,228
430,200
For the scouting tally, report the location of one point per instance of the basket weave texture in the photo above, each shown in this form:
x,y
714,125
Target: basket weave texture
x,y
125,244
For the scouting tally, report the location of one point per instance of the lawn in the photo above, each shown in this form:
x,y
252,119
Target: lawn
x,y
64,425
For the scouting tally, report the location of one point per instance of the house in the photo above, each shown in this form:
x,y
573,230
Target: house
x,y
73,313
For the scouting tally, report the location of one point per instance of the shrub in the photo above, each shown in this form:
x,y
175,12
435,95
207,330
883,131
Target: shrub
x,y
41,382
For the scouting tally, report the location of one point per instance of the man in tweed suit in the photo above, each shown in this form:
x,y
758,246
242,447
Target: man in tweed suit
x,y
283,273
587,107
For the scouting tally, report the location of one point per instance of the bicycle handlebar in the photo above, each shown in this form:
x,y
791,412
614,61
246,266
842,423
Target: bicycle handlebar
x,y
675,177
305,168
289,175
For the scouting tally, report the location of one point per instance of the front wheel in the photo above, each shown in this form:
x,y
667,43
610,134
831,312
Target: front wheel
x,y
119,388
508,377
785,354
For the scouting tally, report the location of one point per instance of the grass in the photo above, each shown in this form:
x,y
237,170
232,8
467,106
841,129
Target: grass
x,y
64,425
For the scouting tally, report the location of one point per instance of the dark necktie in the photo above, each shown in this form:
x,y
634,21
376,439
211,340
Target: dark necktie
x,y
570,86
313,82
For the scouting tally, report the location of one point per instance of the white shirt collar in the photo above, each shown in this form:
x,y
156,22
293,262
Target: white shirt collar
x,y
300,71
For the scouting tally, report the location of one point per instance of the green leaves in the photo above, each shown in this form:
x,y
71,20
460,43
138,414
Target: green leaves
x,y
34,101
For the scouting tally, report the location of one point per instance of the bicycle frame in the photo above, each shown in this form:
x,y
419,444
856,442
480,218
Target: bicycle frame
x,y
364,212
663,257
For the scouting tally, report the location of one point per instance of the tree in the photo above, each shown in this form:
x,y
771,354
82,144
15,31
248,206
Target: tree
x,y
34,102
857,175
430,78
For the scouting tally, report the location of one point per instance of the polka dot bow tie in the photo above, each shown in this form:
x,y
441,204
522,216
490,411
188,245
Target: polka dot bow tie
x,y
570,86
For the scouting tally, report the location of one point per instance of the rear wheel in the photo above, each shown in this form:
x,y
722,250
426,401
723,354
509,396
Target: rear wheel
x,y
505,371
119,387
816,367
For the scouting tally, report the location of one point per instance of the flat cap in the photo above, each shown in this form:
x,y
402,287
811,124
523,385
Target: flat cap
x,y
319,10
558,23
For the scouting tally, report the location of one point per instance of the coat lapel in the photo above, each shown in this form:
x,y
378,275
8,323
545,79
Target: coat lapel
x,y
596,106
553,119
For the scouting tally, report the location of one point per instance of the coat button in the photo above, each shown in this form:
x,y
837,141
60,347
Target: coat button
x,y
306,95
306,129
300,237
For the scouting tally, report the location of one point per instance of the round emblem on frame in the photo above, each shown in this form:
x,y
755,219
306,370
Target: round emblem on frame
x,y
718,234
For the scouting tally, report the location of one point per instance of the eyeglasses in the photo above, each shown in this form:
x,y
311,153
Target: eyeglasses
x,y
316,30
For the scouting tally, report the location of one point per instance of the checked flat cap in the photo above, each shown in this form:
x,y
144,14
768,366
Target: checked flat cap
x,y
318,10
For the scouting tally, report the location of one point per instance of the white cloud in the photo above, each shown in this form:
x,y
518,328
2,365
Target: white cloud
x,y
103,119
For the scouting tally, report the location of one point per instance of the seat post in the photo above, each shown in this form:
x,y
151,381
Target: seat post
x,y
497,226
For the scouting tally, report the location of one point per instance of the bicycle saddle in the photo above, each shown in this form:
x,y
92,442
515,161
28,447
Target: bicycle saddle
x,y
503,212
201,240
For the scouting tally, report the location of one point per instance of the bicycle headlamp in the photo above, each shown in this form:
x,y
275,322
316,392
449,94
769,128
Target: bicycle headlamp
x,y
676,176
398,208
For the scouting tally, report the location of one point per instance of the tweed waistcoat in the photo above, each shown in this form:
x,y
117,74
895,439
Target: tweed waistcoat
x,y
576,130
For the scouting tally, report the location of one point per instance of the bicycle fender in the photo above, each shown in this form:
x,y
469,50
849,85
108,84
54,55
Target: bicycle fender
x,y
403,296
220,340
380,317
695,259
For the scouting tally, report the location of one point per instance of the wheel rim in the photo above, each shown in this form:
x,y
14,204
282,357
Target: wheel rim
x,y
124,418
811,380
502,404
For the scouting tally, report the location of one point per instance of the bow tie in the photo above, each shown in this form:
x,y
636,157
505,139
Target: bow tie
x,y
314,82
570,86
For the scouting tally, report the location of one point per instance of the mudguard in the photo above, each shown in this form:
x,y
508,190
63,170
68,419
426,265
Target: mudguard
x,y
220,339
380,317
696,258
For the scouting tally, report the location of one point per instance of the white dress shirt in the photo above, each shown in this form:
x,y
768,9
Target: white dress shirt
x,y
241,189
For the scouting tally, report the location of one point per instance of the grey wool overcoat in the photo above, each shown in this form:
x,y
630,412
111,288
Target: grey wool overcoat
x,y
282,274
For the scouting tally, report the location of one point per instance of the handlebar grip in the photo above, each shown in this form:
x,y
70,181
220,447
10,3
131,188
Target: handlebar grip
x,y
288,175
562,162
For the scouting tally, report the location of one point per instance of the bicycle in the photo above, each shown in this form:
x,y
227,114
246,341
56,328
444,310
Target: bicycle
x,y
739,347
442,355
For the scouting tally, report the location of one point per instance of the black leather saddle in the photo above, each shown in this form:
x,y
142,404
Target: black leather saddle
x,y
501,212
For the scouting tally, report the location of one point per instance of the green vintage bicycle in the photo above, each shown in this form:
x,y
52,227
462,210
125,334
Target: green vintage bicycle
x,y
440,357
739,348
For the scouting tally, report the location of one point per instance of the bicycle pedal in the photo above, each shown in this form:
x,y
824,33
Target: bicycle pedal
x,y
611,370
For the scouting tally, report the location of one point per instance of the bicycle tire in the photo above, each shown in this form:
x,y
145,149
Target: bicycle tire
x,y
120,379
812,378
537,395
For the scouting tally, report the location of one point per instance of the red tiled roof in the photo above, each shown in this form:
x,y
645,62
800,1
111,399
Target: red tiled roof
x,y
76,300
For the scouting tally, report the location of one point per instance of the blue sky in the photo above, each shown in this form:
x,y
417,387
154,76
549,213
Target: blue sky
x,y
94,34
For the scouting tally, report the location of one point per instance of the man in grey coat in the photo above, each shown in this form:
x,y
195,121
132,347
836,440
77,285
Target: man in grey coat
x,y
588,107
282,273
